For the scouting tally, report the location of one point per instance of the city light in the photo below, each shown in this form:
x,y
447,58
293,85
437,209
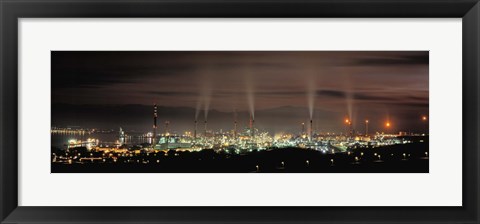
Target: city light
x,y
232,143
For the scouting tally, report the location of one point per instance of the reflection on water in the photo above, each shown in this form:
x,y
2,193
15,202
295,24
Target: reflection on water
x,y
60,140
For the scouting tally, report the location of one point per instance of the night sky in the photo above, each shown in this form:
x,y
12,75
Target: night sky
x,y
113,89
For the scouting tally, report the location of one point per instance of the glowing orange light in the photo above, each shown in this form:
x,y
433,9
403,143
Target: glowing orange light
x,y
424,118
366,121
347,121
387,124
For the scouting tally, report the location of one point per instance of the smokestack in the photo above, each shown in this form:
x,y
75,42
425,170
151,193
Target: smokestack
x,y
195,130
154,123
166,127
252,128
351,129
251,123
235,129
235,125
121,135
366,127
311,129
348,131
205,128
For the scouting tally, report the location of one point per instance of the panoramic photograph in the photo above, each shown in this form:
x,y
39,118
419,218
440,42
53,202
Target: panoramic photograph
x,y
239,112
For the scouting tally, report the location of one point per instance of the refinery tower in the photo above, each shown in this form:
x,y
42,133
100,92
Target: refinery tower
x,y
154,124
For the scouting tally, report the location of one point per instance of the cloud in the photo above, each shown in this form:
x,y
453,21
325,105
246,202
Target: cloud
x,y
98,69
379,97
388,79
419,58
332,93
171,93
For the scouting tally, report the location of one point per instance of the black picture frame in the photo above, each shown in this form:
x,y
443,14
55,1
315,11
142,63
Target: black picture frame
x,y
12,10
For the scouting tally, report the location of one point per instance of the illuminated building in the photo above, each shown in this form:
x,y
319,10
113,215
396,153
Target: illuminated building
x,y
171,142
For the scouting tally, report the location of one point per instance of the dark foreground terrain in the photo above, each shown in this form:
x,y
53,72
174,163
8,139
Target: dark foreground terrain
x,y
404,158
